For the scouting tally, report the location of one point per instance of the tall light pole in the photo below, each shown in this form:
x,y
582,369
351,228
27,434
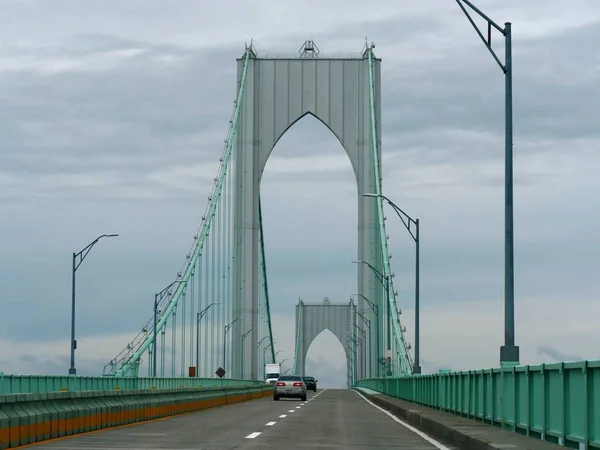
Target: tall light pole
x,y
157,298
385,282
225,331
199,317
362,347
357,341
375,309
81,255
407,221
270,344
509,352
261,341
244,336
368,324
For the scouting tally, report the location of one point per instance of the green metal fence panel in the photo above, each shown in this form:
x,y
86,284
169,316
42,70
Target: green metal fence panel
x,y
557,402
35,384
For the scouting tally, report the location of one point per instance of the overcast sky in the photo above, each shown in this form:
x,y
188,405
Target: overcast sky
x,y
112,119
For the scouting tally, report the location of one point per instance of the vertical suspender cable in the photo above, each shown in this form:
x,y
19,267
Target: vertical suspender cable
x,y
183,320
226,254
130,363
210,251
162,350
192,317
217,268
173,342
202,324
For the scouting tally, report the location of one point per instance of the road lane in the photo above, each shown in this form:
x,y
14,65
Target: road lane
x,y
225,427
340,419
332,419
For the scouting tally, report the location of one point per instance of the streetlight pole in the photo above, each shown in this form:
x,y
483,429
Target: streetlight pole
x,y
509,352
362,346
385,282
375,309
81,255
270,344
199,317
244,336
157,298
407,221
357,341
225,331
368,324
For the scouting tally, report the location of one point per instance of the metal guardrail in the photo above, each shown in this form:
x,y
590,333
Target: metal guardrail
x,y
557,402
31,418
36,384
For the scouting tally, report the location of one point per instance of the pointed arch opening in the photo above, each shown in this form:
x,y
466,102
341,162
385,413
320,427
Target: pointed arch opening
x,y
326,360
309,209
308,119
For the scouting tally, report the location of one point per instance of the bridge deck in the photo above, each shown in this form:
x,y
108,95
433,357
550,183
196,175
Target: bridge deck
x,y
332,419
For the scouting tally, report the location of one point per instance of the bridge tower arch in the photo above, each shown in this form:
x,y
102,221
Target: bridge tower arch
x,y
280,89
313,318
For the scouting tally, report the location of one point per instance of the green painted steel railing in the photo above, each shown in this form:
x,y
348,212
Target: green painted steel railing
x,y
36,384
557,402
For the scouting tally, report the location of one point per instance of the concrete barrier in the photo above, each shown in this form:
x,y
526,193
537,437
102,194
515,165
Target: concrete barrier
x,y
30,418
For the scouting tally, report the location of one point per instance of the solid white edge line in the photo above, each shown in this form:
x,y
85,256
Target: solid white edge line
x,y
253,435
404,424
270,424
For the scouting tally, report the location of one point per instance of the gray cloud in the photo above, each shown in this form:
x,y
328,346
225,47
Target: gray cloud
x,y
110,127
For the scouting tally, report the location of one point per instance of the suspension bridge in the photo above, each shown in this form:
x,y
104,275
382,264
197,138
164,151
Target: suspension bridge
x,y
215,315
209,334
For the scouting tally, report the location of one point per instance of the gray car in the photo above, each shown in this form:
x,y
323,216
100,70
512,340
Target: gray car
x,y
290,386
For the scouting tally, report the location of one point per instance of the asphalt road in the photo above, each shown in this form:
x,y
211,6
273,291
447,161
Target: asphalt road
x,y
332,419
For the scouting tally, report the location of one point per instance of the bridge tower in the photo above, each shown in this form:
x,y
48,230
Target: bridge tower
x,y
341,320
280,89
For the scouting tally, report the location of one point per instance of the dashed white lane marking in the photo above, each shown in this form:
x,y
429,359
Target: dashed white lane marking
x,y
429,439
145,434
253,435
292,410
283,416
270,424
298,407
